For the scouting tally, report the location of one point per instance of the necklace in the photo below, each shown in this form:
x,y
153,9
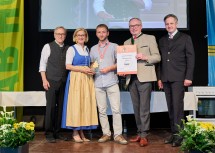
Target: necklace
x,y
102,54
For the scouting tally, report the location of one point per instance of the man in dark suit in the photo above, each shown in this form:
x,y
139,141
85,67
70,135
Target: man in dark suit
x,y
175,72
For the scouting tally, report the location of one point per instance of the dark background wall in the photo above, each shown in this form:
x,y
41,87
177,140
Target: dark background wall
x,y
35,39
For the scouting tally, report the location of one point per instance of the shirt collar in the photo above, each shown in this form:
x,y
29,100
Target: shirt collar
x,y
103,44
61,45
80,47
174,33
137,36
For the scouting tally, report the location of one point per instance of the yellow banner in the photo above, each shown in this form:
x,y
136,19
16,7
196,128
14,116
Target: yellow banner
x,y
211,50
11,45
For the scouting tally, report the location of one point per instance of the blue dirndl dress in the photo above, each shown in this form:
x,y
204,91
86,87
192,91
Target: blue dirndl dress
x,y
79,106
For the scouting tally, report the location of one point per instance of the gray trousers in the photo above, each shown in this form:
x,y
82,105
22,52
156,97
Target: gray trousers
x,y
141,95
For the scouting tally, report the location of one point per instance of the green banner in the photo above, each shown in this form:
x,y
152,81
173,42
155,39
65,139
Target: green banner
x,y
11,45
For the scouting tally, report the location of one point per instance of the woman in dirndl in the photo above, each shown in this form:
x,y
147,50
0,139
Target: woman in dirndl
x,y
79,110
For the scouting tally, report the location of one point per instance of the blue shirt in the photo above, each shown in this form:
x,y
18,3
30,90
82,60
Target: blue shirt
x,y
110,78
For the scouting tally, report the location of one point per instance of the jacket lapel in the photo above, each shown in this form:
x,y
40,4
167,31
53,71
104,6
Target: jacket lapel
x,y
171,43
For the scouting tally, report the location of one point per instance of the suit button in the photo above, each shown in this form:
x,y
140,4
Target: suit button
x,y
167,60
168,52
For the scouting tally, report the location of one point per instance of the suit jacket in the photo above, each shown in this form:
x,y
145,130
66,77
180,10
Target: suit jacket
x,y
147,45
177,58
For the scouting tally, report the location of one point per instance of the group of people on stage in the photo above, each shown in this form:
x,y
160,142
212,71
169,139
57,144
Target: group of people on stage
x,y
73,98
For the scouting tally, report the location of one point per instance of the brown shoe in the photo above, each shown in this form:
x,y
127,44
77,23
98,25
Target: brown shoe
x,y
143,142
135,139
104,138
121,140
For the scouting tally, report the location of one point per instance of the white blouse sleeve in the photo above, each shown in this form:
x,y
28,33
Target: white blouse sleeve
x,y
70,55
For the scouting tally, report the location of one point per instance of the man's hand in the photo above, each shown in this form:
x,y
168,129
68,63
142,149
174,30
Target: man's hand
x,y
105,70
46,85
187,83
160,84
141,56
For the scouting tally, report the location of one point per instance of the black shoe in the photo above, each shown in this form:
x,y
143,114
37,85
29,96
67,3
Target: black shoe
x,y
61,137
169,140
50,139
177,141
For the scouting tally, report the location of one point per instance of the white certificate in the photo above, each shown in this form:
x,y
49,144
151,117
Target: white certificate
x,y
126,59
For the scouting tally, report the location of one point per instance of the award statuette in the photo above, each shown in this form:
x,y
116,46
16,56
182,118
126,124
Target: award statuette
x,y
95,66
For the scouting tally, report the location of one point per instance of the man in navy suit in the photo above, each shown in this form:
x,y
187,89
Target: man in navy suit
x,y
175,72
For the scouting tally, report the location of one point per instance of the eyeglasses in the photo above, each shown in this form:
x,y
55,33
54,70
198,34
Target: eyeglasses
x,y
134,26
81,35
60,34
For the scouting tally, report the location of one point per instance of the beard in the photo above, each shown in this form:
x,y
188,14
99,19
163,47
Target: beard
x,y
103,39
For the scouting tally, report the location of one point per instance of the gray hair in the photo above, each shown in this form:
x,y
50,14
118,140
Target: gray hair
x,y
135,19
60,27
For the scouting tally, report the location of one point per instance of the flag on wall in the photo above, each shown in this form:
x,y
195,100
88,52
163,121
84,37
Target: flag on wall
x,y
210,5
11,45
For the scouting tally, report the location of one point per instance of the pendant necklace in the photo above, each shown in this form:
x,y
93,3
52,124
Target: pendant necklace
x,y
102,54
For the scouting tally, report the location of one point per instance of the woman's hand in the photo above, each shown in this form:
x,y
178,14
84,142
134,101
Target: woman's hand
x,y
88,70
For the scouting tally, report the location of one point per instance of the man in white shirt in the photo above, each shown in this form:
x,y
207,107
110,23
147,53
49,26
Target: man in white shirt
x,y
53,72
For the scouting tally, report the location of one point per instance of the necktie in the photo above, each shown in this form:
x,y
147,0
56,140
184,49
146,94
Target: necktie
x,y
170,36
134,38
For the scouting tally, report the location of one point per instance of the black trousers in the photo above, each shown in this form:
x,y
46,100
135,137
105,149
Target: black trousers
x,y
54,107
174,92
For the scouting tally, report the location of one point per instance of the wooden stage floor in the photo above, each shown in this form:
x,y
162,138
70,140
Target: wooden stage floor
x,y
156,145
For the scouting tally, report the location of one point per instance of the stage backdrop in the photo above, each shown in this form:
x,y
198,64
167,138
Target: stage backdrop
x,y
11,45
211,41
